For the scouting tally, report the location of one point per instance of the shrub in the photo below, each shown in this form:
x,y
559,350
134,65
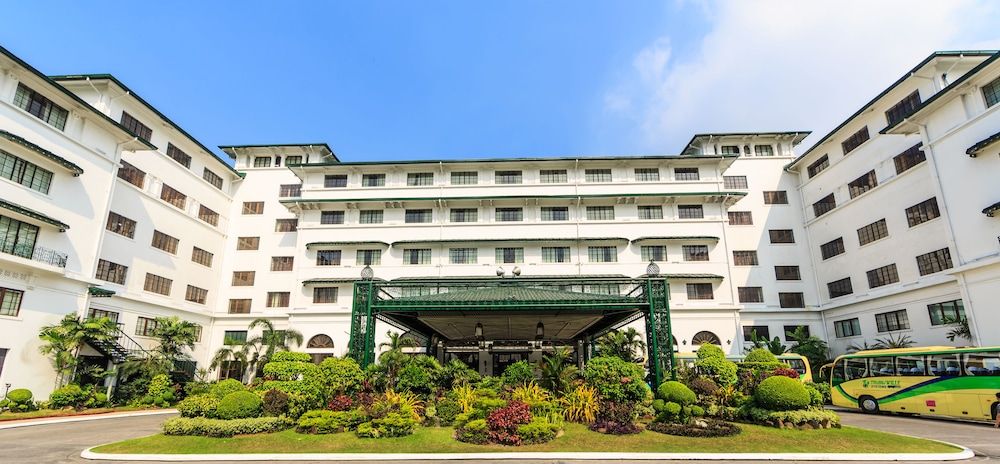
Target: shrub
x,y
530,393
289,356
786,372
709,351
697,411
198,406
289,370
321,421
392,425
340,403
341,375
160,392
415,378
704,387
676,392
447,409
760,355
781,394
223,428
225,387
518,373
298,404
712,362
240,405
815,396
616,418
804,418
616,380
275,402
539,430
68,396
580,404
672,408
19,400
473,432
714,429
824,390
456,372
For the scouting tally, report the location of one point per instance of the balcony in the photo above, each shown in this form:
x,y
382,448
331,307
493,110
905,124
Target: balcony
x,y
35,253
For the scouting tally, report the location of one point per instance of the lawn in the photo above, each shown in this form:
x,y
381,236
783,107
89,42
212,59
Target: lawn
x,y
9,416
754,439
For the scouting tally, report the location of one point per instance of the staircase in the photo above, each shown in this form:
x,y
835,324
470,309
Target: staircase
x,y
119,348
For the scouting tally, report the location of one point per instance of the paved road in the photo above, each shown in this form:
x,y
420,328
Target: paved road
x,y
62,443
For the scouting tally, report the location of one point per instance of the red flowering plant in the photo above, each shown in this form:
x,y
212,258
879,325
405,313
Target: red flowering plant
x,y
785,371
339,403
503,422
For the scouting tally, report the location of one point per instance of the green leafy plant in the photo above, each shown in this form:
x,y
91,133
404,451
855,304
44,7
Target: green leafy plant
x,y
200,426
518,373
624,344
781,394
557,370
19,400
71,395
341,375
225,387
712,362
62,342
580,404
198,406
676,392
773,346
616,379
240,405
322,421
958,328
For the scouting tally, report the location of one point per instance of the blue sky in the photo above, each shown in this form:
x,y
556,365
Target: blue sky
x,y
448,79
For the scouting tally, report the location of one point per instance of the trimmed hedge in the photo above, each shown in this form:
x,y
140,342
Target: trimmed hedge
x,y
393,424
200,426
341,375
760,355
712,362
713,429
781,394
674,391
322,421
240,405
225,387
19,395
198,406
290,370
289,356
815,418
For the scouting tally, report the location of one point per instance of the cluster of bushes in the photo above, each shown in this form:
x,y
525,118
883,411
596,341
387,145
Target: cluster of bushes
x,y
228,408
18,400
70,396
510,422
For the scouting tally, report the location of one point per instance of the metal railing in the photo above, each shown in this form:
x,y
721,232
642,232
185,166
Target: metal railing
x,y
130,346
34,252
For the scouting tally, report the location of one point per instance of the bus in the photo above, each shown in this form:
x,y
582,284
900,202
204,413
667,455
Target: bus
x,y
933,381
795,361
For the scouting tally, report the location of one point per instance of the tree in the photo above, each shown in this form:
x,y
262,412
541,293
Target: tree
x,y
864,346
63,341
623,344
558,371
958,327
229,354
774,346
397,342
813,348
174,336
891,341
272,340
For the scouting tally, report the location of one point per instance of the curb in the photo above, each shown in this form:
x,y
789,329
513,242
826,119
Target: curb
x,y
81,418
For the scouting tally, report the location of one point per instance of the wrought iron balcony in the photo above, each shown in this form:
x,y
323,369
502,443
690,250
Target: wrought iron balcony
x,y
36,253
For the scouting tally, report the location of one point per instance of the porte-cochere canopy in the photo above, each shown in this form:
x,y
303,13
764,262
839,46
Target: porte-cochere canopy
x,y
556,310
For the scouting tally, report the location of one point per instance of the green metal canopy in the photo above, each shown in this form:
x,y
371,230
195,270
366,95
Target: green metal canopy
x,y
330,281
33,214
513,240
346,243
505,295
71,167
99,292
676,238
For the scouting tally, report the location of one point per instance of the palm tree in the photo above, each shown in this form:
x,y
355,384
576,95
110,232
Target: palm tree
x,y
891,341
558,372
621,343
174,336
397,342
229,354
864,346
958,328
813,348
271,340
774,346
63,341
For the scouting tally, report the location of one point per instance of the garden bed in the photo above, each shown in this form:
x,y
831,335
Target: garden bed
x,y
45,413
754,439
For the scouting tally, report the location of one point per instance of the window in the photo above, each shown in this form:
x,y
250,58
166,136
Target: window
x,y
212,178
650,212
946,312
600,213
818,166
373,180
744,257
781,235
509,214
201,257
847,328
40,107
555,213
282,263
277,299
872,232
335,181
787,273
331,217
686,174
884,275
145,327
323,295
463,255
647,174
602,254
253,207
417,256
262,162
855,140
735,182
791,329
510,255
862,184
239,306
750,294
157,284
555,255
740,218
196,295
295,159
730,150
699,291
978,364
179,156
289,190
10,301
174,197
695,252
111,272
329,258
759,331
418,216
419,178
597,175
464,178
840,287
832,248
369,257
935,261
247,243
922,212
286,225
464,215
234,337
507,177
763,150
824,205
991,92
24,172
653,252
243,278
909,158
136,127
370,216
891,321
132,174
904,108
164,242
120,225
776,197
95,313
791,300
553,176
208,215
17,238
690,212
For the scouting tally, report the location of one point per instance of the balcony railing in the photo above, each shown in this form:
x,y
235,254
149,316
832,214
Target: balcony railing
x,y
36,253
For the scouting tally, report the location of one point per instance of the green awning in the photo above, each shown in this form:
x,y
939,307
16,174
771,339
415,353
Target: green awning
x,y
982,144
76,170
331,281
676,238
522,278
99,292
33,214
992,209
514,240
346,243
508,294
694,276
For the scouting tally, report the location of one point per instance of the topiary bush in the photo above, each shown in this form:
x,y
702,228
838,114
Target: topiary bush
x,y
341,375
290,370
198,406
781,394
616,380
19,400
225,387
760,355
712,362
812,418
321,422
518,373
289,356
676,392
275,402
205,427
160,392
240,405
68,396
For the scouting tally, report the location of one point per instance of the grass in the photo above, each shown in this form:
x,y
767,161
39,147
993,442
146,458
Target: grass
x,y
41,413
754,439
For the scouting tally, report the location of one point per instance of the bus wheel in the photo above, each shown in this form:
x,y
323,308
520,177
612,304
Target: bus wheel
x,y
868,404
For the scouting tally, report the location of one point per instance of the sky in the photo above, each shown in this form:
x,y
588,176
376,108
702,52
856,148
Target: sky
x,y
433,79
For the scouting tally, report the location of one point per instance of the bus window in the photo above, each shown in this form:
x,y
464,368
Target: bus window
x,y
982,364
836,373
911,365
944,365
796,364
856,368
882,366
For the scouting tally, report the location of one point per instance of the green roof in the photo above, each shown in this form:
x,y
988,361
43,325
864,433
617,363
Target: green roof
x,y
345,243
675,238
76,170
693,276
982,144
513,197
477,240
330,281
99,292
800,135
514,160
507,294
33,214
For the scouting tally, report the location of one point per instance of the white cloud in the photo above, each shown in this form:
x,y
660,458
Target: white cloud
x,y
787,65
